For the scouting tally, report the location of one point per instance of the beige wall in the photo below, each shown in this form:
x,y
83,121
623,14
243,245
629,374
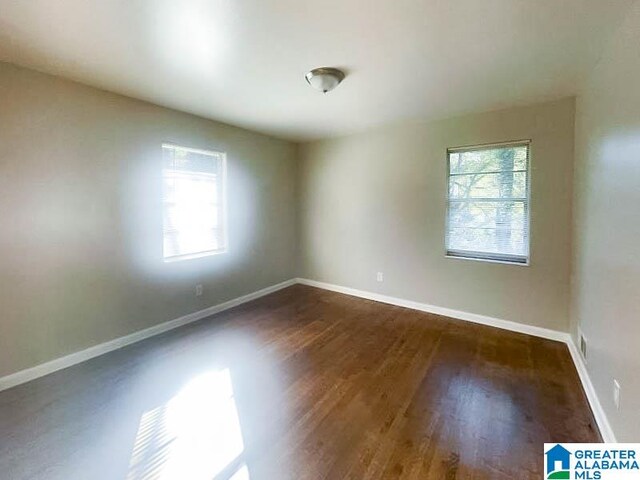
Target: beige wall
x,y
81,221
606,294
375,201
80,232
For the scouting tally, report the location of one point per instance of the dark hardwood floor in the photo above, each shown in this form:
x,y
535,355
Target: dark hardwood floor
x,y
302,384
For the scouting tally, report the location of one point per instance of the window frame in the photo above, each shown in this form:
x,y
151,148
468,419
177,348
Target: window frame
x,y
506,259
222,208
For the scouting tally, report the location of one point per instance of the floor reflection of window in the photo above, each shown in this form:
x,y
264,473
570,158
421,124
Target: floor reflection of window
x,y
196,435
241,474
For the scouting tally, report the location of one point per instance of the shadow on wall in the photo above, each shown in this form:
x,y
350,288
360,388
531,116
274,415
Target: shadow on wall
x,y
607,270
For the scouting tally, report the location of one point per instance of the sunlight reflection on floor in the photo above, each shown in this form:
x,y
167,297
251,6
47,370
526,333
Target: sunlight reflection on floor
x,y
241,474
196,435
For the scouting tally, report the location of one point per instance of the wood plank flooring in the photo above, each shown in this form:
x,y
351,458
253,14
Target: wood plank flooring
x,y
302,384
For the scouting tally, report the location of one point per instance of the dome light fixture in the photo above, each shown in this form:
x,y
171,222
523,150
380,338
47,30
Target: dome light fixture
x,y
324,79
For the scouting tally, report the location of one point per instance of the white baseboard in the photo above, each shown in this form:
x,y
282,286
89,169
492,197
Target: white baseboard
x,y
446,312
77,357
596,407
97,350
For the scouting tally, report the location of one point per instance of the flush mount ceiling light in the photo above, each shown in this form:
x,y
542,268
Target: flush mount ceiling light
x,y
324,79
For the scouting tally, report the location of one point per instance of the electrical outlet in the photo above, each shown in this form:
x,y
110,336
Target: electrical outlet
x,y
616,394
380,277
198,290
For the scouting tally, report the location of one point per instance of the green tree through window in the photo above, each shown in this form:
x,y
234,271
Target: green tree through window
x,y
488,202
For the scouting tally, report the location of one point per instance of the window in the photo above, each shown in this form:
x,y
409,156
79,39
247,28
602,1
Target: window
x,y
193,202
488,202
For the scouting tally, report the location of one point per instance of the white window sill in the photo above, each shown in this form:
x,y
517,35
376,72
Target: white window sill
x,y
191,256
490,260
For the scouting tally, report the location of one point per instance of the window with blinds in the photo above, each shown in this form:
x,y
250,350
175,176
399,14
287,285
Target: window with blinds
x,y
488,202
193,194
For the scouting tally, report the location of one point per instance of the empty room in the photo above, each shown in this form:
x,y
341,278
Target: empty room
x,y
287,240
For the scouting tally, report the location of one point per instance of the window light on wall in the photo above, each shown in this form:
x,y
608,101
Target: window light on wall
x,y
193,202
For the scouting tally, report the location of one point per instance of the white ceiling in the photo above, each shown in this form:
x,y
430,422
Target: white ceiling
x,y
243,61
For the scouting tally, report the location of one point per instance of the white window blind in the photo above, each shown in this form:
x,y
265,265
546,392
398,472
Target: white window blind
x,y
193,202
488,202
